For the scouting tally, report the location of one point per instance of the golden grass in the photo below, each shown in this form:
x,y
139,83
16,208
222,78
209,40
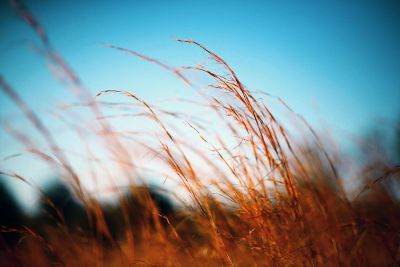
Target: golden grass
x,y
268,200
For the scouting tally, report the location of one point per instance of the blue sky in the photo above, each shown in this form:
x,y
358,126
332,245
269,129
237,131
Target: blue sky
x,y
338,60
342,55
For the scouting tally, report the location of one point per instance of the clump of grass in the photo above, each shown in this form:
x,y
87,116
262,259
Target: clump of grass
x,y
261,198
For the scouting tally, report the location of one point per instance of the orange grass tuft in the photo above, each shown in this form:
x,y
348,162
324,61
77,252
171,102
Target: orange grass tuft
x,y
265,199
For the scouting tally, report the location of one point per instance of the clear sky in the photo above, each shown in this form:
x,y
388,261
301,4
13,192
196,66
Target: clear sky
x,y
338,60
342,55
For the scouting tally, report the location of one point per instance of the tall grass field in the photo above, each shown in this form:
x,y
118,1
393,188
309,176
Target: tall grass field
x,y
243,185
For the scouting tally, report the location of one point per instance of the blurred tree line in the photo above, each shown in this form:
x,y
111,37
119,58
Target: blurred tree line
x,y
60,209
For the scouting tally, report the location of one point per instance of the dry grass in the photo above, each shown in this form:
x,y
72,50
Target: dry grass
x,y
263,199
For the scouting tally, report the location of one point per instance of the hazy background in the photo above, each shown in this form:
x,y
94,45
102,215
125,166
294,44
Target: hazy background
x,y
335,60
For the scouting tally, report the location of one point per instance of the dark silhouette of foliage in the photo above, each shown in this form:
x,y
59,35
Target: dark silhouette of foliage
x,y
12,220
11,216
60,206
134,209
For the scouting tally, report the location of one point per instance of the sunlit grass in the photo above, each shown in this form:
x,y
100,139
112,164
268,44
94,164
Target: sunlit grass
x,y
258,198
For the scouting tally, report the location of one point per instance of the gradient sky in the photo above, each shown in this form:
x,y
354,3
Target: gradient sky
x,y
338,60
343,56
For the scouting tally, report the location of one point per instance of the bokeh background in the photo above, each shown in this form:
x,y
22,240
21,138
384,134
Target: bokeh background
x,y
335,62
